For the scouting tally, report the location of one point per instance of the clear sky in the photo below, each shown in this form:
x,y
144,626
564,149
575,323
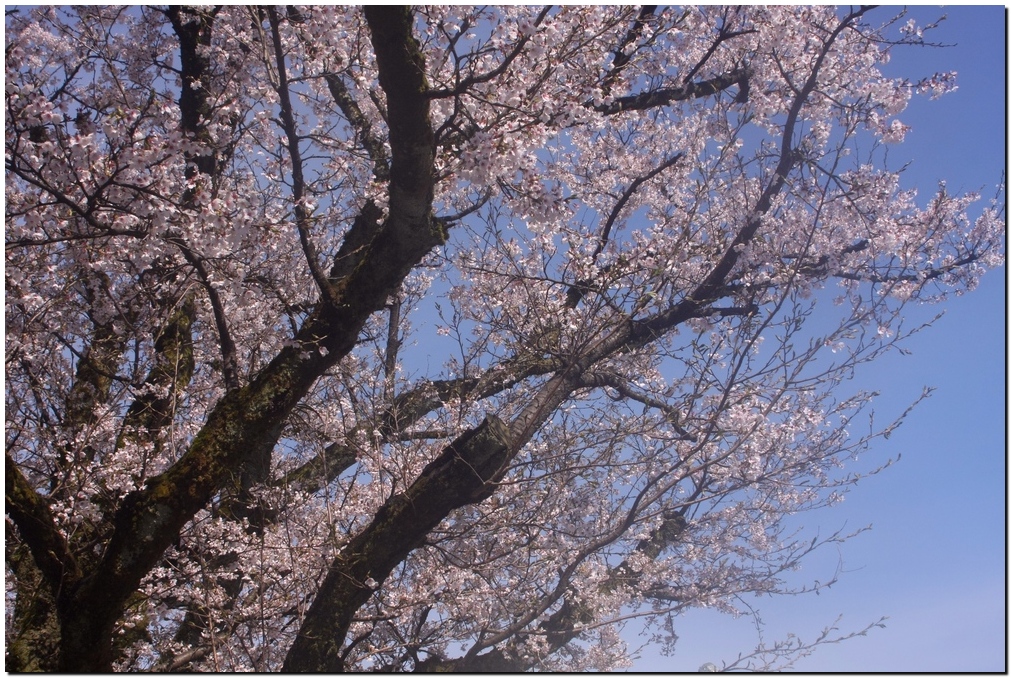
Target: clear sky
x,y
934,562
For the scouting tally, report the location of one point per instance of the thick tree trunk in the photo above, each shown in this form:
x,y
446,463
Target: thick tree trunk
x,y
250,418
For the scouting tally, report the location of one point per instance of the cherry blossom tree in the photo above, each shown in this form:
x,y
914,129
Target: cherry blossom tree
x,y
443,338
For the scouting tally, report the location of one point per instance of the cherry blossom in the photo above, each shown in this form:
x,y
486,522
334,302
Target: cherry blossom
x,y
448,338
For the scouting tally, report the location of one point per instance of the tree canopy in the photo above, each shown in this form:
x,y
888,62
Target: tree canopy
x,y
441,339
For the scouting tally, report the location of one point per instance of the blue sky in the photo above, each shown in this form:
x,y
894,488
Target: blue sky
x,y
934,562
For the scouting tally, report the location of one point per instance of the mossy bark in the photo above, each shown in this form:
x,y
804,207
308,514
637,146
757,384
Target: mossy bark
x,y
34,641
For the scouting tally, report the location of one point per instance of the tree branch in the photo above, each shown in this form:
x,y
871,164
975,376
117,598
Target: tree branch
x,y
373,144
472,80
172,370
669,95
595,379
37,527
463,474
229,361
708,290
576,292
621,59
302,216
